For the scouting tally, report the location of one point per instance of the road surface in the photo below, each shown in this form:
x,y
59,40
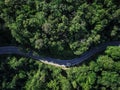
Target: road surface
x,y
65,63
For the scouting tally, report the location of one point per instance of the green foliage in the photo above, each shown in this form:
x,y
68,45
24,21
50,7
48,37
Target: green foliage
x,y
109,80
113,52
38,43
62,29
73,24
105,62
102,73
53,84
37,82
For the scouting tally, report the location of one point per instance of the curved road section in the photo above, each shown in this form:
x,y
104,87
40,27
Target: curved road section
x,y
58,62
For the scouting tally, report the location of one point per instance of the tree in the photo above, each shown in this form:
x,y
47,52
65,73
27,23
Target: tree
x,y
113,52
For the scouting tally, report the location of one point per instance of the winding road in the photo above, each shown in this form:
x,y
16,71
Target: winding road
x,y
63,63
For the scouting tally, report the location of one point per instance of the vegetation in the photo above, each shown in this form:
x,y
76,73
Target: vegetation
x,y
60,29
100,74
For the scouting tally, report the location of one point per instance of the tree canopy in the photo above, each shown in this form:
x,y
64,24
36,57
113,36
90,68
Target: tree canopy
x,y
102,73
61,28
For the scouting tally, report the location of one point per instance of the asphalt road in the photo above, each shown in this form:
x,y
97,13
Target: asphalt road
x,y
66,63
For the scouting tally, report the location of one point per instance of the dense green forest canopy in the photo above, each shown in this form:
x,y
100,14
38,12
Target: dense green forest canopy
x,y
61,28
101,73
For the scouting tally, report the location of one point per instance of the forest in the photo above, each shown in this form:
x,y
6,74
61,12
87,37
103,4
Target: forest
x,y
61,29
